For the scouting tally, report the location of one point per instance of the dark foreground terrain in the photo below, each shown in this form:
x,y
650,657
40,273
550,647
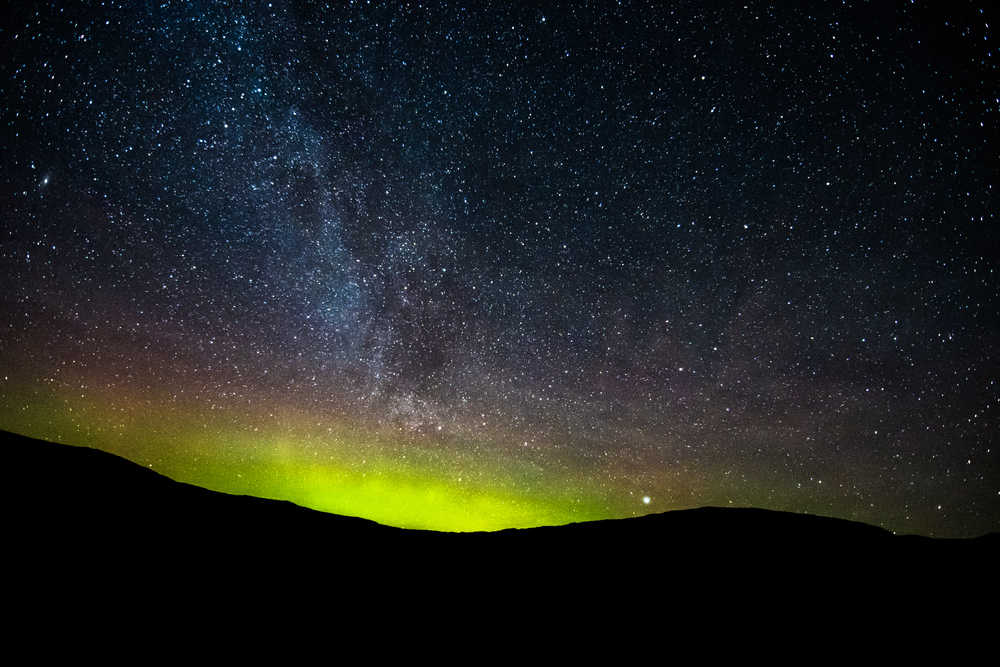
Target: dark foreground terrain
x,y
86,526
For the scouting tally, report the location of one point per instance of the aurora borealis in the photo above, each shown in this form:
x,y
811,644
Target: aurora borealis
x,y
469,267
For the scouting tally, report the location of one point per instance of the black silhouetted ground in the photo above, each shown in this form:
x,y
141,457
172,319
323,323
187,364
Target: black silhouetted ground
x,y
88,526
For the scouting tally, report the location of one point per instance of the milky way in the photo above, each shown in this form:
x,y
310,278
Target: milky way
x,y
468,269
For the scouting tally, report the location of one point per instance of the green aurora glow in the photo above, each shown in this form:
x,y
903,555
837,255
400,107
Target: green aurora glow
x,y
327,466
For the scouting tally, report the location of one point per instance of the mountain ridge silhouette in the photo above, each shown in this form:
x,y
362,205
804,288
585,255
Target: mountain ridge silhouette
x,y
107,515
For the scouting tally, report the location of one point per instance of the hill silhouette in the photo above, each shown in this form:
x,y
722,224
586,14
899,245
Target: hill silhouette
x,y
90,524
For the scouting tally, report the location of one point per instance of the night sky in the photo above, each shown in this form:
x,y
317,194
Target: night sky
x,y
468,267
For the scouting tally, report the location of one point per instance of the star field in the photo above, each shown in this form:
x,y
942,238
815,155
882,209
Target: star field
x,y
471,268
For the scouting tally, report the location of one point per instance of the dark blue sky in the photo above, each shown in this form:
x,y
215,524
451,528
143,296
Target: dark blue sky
x,y
718,242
